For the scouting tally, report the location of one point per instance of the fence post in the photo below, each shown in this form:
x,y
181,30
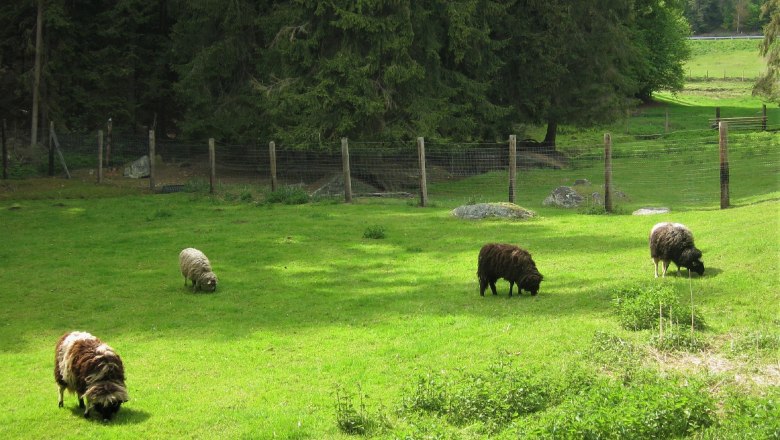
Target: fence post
x,y
423,179
212,166
666,121
608,172
100,157
272,155
723,130
5,154
717,116
151,160
347,173
51,149
512,168
108,143
763,117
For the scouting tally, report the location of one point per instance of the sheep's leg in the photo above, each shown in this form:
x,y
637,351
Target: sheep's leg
x,y
483,283
666,266
511,285
655,260
62,388
81,403
493,287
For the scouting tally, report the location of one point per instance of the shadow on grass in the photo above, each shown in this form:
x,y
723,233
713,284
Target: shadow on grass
x,y
125,416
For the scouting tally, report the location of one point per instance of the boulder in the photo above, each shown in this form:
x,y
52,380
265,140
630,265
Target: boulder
x,y
651,211
139,168
499,210
563,197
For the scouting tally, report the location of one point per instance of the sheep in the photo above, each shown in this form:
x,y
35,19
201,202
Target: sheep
x,y
196,267
510,263
85,365
673,242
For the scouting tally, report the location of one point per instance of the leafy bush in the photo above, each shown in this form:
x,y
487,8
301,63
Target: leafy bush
x,y
288,195
640,308
376,232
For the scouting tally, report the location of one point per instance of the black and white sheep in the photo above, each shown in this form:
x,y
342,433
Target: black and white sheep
x,y
673,242
196,267
509,262
85,365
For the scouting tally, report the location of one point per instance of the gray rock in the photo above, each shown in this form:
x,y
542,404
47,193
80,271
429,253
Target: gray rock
x,y
581,182
484,210
651,211
563,197
139,168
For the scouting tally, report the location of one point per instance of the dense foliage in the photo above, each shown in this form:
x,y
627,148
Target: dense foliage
x,y
769,83
714,16
305,72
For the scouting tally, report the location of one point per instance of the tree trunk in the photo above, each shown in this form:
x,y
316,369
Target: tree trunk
x,y
37,77
552,131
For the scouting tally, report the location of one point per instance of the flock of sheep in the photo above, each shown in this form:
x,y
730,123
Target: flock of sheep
x,y
86,366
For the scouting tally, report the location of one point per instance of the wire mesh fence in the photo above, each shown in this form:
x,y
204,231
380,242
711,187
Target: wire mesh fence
x,y
678,169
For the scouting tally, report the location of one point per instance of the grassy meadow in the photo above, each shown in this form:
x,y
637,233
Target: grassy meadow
x,y
364,320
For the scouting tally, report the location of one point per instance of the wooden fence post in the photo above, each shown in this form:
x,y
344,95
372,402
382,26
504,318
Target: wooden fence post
x,y
51,149
100,157
723,130
666,121
717,116
108,143
151,160
512,168
347,173
607,172
5,154
212,166
423,178
272,157
763,117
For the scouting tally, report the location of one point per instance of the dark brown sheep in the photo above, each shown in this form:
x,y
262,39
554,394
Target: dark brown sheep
x,y
673,242
509,262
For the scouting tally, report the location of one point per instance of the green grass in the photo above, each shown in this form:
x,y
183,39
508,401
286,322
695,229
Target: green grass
x,y
307,305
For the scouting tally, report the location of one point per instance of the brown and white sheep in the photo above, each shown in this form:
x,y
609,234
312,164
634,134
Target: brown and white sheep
x,y
196,267
85,365
673,242
509,262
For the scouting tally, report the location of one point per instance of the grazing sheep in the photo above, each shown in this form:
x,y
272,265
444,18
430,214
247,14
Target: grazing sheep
x,y
85,365
510,263
673,242
196,267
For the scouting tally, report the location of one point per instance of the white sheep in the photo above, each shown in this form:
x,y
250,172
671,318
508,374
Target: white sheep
x,y
196,267
673,242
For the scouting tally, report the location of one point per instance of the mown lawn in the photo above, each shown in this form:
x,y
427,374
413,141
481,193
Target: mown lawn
x,y
306,306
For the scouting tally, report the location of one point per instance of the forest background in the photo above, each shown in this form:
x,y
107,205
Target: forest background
x,y
312,71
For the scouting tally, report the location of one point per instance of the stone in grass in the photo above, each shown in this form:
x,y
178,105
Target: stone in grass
x,y
496,210
651,211
564,197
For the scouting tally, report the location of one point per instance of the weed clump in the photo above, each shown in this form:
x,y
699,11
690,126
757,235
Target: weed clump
x,y
375,232
355,419
642,308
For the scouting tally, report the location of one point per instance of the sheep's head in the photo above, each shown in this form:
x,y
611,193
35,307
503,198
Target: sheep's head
x,y
208,282
531,283
691,258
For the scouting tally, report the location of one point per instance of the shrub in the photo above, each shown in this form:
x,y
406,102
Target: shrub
x,y
640,308
374,232
678,338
